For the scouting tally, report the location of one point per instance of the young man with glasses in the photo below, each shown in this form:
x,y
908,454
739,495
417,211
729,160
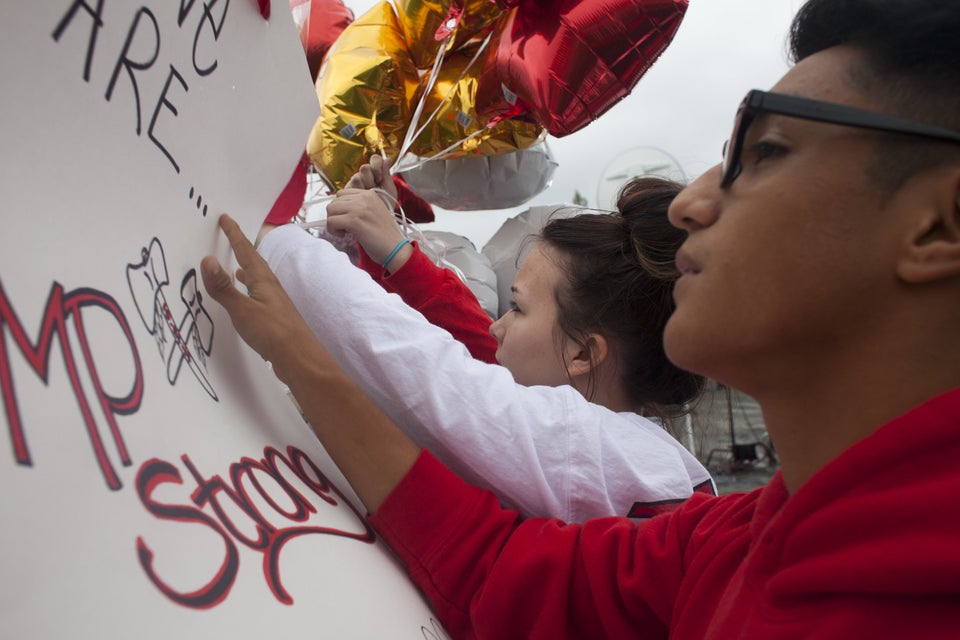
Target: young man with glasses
x,y
821,275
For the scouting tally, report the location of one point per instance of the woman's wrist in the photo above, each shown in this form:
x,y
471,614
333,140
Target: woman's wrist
x,y
397,256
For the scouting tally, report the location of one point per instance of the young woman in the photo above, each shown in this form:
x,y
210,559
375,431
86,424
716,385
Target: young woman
x,y
559,430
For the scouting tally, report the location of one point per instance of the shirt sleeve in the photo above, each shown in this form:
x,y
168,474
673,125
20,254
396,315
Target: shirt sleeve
x,y
543,450
488,573
441,297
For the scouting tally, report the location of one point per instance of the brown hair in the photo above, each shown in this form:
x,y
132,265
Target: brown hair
x,y
618,281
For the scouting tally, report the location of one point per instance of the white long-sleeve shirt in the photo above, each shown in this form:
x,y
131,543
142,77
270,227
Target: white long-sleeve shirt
x,y
545,451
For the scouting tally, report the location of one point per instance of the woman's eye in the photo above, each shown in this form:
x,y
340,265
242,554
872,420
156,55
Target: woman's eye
x,y
514,307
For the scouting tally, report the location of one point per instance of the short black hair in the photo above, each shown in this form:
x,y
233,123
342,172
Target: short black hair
x,y
911,50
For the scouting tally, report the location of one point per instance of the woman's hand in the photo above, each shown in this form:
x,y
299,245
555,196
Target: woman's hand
x,y
375,175
363,214
265,317
369,449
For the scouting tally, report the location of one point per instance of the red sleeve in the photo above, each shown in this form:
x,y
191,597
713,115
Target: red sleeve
x,y
489,574
366,263
441,297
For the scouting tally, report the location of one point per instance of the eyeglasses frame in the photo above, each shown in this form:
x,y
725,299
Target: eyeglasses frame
x,y
757,102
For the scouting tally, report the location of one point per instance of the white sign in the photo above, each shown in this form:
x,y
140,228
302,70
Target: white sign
x,y
156,481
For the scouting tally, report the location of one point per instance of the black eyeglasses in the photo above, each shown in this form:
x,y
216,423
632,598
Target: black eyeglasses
x,y
757,102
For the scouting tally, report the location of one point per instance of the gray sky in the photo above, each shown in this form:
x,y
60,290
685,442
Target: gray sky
x,y
684,104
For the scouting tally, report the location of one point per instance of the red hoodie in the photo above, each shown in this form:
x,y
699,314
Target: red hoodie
x,y
869,547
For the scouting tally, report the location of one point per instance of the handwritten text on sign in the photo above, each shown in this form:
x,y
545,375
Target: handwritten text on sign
x,y
141,51
108,330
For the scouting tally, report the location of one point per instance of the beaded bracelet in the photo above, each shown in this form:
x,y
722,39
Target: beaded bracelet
x,y
394,252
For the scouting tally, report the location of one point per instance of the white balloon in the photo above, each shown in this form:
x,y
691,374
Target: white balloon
x,y
507,248
457,253
474,183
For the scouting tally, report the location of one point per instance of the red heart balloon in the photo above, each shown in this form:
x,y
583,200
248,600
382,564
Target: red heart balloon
x,y
564,63
320,22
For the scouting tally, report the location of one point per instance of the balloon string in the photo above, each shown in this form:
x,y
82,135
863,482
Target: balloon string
x,y
445,100
438,156
431,80
407,227
391,203
313,224
413,231
313,201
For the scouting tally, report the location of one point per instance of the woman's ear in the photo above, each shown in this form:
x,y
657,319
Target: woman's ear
x,y
582,358
933,247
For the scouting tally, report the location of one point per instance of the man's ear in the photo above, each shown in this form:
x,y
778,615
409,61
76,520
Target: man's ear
x,y
584,358
933,247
